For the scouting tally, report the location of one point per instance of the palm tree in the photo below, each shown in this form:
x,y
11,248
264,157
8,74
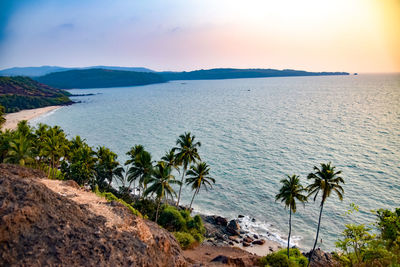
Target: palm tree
x,y
80,167
132,173
187,153
55,147
40,136
2,119
5,140
133,153
107,166
20,151
289,192
327,181
23,128
141,169
161,180
170,159
199,176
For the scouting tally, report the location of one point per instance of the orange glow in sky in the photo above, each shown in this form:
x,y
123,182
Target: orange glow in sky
x,y
314,35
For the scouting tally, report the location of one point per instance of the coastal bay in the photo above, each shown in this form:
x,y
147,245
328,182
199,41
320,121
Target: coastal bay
x,y
252,139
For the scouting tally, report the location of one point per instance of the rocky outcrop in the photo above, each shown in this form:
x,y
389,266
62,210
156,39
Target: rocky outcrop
x,y
39,226
233,227
220,232
322,259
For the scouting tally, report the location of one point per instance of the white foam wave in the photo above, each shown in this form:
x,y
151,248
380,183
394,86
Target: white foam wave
x,y
266,230
37,119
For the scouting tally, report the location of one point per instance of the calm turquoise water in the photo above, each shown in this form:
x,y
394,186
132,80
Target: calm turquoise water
x,y
254,132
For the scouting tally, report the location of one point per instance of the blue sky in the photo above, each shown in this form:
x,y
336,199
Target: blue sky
x,y
313,35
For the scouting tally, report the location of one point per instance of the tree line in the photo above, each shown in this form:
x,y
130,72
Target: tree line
x,y
48,149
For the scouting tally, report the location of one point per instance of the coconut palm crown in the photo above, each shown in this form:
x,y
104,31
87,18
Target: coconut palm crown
x,y
199,177
186,154
290,191
161,180
326,180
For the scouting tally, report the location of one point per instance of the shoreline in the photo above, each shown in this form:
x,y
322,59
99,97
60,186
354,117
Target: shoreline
x,y
12,119
223,232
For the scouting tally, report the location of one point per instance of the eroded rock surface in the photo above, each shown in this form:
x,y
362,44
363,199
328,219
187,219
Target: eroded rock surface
x,y
39,226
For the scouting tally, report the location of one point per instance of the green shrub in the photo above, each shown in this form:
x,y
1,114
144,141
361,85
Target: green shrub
x,y
199,237
110,197
185,240
275,260
172,220
180,221
146,207
196,223
280,259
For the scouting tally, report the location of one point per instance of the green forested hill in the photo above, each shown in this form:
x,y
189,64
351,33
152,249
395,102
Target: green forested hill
x,y
97,78
229,73
17,93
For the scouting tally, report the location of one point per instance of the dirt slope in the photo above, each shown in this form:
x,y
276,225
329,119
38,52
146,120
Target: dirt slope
x,y
70,227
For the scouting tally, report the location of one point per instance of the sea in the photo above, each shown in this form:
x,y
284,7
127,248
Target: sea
x,y
255,132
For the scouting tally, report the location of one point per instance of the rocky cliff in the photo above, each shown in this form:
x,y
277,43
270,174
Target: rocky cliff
x,y
47,222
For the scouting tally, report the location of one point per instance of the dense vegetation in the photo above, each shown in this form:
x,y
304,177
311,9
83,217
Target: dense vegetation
x,y
98,78
113,77
229,73
361,245
43,70
48,149
281,259
17,93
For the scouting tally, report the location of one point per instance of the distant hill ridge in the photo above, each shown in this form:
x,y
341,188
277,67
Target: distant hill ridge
x,y
97,78
104,76
43,70
230,73
17,93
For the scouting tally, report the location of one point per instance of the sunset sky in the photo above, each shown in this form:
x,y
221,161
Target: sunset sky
x,y
313,35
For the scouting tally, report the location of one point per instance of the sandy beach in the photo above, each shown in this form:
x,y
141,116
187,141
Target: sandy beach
x,y
12,119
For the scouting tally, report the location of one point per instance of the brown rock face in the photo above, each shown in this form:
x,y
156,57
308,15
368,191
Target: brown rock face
x,y
233,227
322,259
39,227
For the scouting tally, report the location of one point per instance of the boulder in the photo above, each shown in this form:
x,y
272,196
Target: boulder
x,y
234,238
322,259
246,244
248,239
233,227
221,221
230,261
258,242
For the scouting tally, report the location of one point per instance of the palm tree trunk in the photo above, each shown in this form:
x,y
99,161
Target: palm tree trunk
x,y
290,230
180,188
48,175
129,188
53,170
158,208
109,183
316,238
191,202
